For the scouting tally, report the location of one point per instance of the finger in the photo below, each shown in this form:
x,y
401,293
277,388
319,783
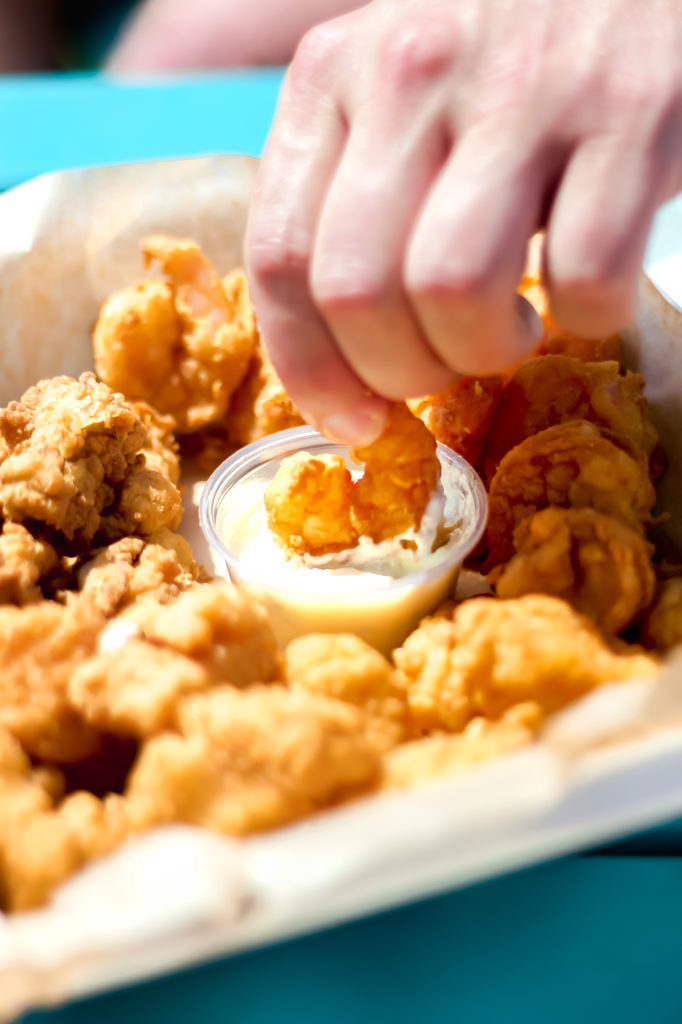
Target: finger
x,y
467,253
597,233
307,139
397,144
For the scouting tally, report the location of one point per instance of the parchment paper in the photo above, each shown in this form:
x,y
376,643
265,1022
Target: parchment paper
x,y
610,764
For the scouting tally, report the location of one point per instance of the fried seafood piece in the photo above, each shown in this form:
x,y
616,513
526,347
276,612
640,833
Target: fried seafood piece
x,y
252,760
260,406
662,627
460,416
557,341
588,350
160,450
595,562
147,502
433,757
39,852
308,504
183,345
401,473
570,466
119,574
40,647
66,447
344,667
556,389
25,561
156,654
494,654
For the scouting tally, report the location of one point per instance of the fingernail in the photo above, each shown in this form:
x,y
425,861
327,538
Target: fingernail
x,y
356,428
532,327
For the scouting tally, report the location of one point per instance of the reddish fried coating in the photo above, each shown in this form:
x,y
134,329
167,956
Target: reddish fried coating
x,y
308,504
595,562
118,575
39,852
344,667
494,654
587,350
183,346
556,389
25,561
434,757
662,627
571,466
460,416
40,647
401,473
65,449
252,760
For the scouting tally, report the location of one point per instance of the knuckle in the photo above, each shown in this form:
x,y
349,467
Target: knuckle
x,y
437,285
278,258
316,54
341,290
417,51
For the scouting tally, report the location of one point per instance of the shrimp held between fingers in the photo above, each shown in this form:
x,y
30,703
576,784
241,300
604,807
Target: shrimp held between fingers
x,y
315,507
460,416
571,466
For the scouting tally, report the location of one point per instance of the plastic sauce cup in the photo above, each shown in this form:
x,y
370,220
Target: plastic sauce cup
x,y
381,609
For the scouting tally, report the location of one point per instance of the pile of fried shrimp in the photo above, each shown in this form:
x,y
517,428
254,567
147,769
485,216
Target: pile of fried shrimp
x,y
136,691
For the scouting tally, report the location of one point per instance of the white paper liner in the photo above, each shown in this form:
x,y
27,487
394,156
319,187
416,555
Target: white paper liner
x,y
608,765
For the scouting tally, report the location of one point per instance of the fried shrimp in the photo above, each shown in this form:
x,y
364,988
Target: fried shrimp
x,y
308,504
556,389
183,345
460,416
493,654
571,466
315,507
401,473
595,562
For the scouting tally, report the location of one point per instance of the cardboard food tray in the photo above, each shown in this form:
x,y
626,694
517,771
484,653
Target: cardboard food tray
x,y
610,765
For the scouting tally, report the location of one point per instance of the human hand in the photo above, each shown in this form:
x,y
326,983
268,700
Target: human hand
x,y
417,146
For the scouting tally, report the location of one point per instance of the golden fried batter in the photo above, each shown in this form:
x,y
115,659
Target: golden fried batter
x,y
401,473
160,450
156,654
65,449
569,465
494,654
41,851
183,346
252,760
25,561
118,575
343,666
662,627
556,389
434,757
460,416
595,562
308,504
40,647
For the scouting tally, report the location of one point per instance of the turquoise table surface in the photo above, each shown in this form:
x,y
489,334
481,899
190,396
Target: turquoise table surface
x,y
589,939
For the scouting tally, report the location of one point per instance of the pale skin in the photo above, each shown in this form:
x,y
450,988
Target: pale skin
x,y
417,146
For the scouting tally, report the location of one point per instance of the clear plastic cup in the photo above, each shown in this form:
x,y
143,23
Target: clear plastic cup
x,y
381,609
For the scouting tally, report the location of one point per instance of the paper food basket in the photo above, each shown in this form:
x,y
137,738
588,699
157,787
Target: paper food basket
x,y
611,764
